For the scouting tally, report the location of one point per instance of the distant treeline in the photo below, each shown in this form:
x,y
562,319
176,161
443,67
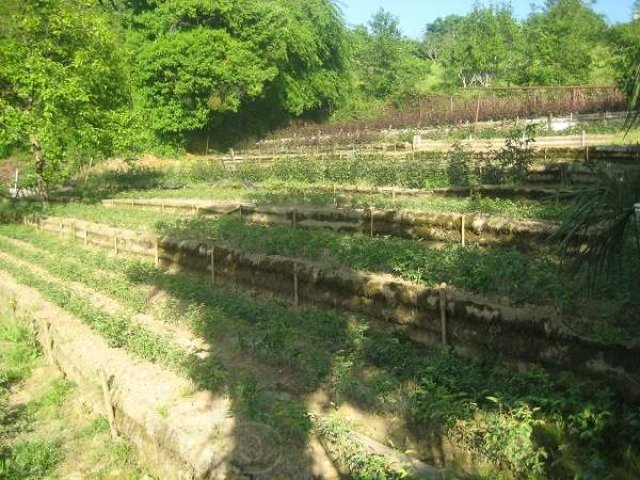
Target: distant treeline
x,y
81,80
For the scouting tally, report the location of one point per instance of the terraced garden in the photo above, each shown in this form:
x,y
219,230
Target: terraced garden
x,y
282,324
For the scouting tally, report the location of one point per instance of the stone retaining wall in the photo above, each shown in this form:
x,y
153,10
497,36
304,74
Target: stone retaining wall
x,y
468,323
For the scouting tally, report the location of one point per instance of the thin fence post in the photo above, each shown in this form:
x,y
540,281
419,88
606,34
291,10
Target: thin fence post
x,y
296,298
443,314
106,396
157,253
462,229
371,230
240,210
115,244
48,344
212,252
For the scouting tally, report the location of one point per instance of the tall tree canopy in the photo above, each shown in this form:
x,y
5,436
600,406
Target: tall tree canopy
x,y
560,41
62,81
199,60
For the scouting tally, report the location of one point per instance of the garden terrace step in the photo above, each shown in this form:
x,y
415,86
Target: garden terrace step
x,y
181,337
190,443
468,323
525,192
180,432
452,227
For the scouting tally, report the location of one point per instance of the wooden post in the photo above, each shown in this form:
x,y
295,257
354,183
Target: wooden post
x,y
108,406
115,244
75,232
443,314
477,113
462,230
48,344
335,199
61,227
240,210
296,298
371,222
157,253
162,208
586,153
212,253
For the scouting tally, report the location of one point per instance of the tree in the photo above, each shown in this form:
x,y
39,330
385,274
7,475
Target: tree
x,y
478,48
560,43
199,62
387,64
62,83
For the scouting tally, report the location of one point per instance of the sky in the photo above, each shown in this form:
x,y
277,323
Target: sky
x,y
415,14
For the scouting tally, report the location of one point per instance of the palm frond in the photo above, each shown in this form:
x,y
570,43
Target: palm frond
x,y
632,90
602,225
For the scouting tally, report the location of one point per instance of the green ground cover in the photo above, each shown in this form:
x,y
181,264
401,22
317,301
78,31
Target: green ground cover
x,y
42,436
535,277
530,424
321,195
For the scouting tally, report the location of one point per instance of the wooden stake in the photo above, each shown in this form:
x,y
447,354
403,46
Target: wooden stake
x,y
296,299
443,314
108,406
212,252
157,253
115,244
462,230
48,344
240,210
371,222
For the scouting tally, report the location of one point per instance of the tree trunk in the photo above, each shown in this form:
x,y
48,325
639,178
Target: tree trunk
x,y
39,159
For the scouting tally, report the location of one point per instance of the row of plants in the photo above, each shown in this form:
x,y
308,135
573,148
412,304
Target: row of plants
x,y
421,170
498,270
470,131
251,399
118,330
529,423
278,192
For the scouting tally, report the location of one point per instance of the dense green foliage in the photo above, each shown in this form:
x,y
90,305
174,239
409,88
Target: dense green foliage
x,y
81,80
63,83
199,63
558,45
